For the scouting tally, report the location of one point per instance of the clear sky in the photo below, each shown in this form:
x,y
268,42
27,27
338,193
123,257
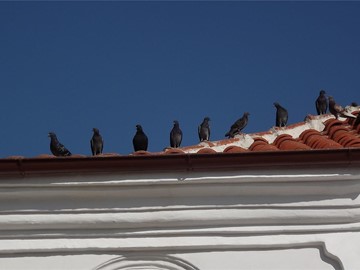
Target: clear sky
x,y
70,66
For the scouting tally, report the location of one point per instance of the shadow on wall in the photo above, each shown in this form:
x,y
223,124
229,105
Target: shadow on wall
x,y
149,262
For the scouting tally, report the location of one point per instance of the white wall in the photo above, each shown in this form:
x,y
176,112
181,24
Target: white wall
x,y
248,219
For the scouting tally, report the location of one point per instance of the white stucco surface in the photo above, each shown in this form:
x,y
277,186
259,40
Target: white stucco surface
x,y
268,218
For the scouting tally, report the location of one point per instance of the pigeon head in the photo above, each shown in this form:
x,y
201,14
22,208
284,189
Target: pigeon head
x,y
52,135
138,127
322,92
276,104
206,119
176,123
246,113
96,131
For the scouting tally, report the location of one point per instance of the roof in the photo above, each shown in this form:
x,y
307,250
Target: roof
x,y
315,132
318,139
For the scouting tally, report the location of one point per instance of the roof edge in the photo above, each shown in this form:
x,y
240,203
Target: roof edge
x,y
22,167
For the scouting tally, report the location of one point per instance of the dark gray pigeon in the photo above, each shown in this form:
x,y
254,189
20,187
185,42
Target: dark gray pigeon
x,y
175,135
140,140
337,110
281,115
97,143
56,147
239,125
321,103
204,130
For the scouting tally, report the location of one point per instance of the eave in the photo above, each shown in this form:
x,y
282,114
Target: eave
x,y
321,159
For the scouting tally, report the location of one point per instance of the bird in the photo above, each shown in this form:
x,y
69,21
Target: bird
x,y
96,143
321,103
56,147
204,130
281,115
176,135
239,125
337,110
140,140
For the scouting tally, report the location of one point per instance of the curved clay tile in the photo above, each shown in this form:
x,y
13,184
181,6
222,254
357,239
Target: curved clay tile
x,y
260,144
234,149
305,135
353,142
173,151
335,131
343,136
339,135
330,123
316,140
141,153
260,139
206,151
279,139
345,139
286,142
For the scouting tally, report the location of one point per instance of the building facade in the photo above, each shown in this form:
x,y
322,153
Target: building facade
x,y
292,203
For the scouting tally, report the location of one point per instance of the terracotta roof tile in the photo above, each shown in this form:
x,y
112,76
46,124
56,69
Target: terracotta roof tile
x,y
234,149
141,153
342,133
206,151
260,144
331,122
172,151
286,142
316,132
316,140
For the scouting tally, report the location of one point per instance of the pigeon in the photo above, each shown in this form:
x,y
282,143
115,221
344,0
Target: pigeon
x,y
175,135
140,140
204,130
238,126
281,115
97,143
337,110
56,147
321,103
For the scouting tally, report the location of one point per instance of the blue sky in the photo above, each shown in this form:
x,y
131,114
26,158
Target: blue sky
x,y
70,66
